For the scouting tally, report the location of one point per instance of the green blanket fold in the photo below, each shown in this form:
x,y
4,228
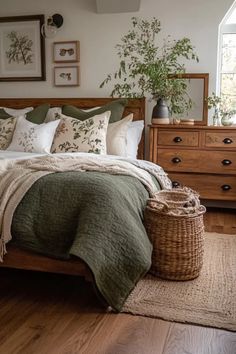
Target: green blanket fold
x,y
94,216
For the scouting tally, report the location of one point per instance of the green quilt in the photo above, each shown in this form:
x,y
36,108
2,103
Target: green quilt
x,y
94,216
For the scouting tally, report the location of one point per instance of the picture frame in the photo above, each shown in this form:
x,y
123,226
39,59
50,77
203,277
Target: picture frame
x,y
66,52
24,61
66,76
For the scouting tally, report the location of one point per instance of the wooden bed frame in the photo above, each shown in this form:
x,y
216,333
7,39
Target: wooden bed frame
x,y
21,259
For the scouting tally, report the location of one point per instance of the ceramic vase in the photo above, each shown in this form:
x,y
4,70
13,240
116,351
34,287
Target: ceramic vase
x,y
160,113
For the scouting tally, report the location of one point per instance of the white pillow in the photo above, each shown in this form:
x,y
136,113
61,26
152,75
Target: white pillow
x,y
134,136
17,112
30,137
53,114
117,136
74,135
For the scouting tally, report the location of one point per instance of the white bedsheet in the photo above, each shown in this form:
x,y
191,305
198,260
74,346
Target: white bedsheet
x,y
11,155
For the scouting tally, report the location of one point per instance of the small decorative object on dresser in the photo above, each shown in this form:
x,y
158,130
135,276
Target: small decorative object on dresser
x,y
200,157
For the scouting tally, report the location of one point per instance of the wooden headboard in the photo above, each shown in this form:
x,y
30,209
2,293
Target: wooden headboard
x,y
135,106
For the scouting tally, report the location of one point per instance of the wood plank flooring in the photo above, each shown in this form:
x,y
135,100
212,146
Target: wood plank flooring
x,y
57,314
220,220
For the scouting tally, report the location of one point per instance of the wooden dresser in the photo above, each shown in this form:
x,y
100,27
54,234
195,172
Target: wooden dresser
x,y
201,157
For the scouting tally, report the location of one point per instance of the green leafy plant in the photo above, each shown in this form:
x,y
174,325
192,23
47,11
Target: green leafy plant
x,y
146,68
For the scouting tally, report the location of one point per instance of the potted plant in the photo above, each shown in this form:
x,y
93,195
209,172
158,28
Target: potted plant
x,y
148,69
223,111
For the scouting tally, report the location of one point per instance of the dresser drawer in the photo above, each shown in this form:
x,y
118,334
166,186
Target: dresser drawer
x,y
177,138
221,162
226,140
208,186
179,160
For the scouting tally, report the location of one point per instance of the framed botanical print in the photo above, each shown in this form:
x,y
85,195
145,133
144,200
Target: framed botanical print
x,y
22,48
66,76
66,52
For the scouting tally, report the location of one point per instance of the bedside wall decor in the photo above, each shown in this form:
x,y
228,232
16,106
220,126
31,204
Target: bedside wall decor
x,y
66,76
66,52
22,48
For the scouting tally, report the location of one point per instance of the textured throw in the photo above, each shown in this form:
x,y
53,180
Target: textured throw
x,y
16,177
209,300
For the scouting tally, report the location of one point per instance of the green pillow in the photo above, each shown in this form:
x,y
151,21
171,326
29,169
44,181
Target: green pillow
x,y
3,114
37,115
116,107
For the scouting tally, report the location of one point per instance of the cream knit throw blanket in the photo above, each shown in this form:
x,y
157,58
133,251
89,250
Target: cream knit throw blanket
x,y
17,176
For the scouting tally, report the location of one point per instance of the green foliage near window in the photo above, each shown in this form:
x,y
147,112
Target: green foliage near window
x,y
146,68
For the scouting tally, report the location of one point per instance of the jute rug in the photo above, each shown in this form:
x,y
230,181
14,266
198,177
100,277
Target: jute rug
x,y
209,300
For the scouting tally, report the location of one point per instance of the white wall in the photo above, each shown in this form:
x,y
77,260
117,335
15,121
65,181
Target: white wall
x,y
99,33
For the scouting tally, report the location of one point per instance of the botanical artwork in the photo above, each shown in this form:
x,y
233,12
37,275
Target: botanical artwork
x,y
66,52
63,52
66,76
20,49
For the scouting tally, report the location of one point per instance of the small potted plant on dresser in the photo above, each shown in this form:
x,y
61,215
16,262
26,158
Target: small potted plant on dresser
x,y
223,110
146,68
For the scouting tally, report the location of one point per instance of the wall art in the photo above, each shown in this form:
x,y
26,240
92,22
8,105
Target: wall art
x,y
22,48
66,52
66,76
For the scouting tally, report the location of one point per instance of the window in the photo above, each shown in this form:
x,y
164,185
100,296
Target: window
x,y
227,62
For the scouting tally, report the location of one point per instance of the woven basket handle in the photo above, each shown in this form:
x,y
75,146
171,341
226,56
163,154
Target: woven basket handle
x,y
157,204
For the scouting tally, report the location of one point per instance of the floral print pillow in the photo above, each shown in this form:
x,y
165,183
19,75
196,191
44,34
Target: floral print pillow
x,y
7,127
31,137
73,135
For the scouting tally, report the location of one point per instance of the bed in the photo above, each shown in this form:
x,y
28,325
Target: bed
x,y
24,259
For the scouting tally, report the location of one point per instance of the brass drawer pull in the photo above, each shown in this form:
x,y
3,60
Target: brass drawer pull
x,y
177,139
226,187
175,184
226,162
227,141
176,160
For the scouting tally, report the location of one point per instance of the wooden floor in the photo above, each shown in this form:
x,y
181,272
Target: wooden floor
x,y
56,314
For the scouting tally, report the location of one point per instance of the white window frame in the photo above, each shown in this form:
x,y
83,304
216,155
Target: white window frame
x,y
223,29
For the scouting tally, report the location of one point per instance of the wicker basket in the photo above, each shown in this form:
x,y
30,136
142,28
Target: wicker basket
x,y
174,224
